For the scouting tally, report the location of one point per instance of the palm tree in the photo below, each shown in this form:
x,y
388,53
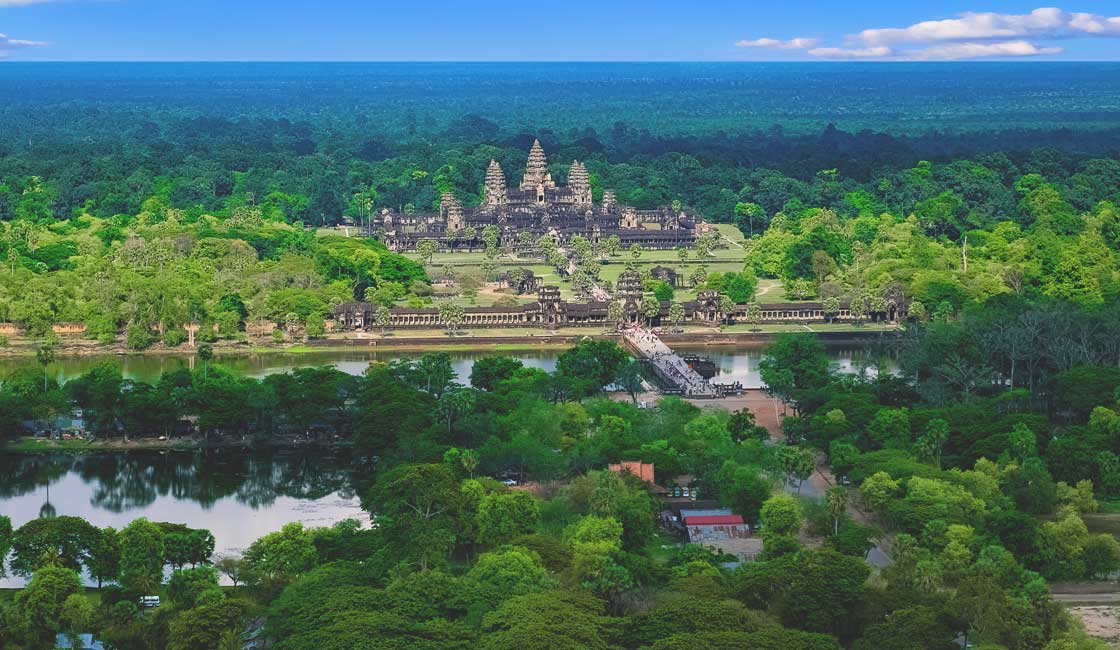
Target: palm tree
x,y
45,355
836,499
205,354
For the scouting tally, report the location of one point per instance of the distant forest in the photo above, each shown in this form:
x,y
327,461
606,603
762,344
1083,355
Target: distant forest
x,y
303,139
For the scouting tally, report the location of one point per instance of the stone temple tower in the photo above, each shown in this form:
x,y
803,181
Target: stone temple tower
x,y
495,185
536,176
579,182
451,211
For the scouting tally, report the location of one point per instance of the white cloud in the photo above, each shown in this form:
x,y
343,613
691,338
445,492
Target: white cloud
x,y
971,35
9,44
877,52
22,3
1045,22
941,52
791,44
958,51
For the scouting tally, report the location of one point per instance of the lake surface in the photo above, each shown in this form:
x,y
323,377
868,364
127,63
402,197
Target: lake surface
x,y
732,364
237,495
241,495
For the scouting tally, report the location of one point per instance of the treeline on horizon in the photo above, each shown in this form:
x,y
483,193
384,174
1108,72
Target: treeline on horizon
x,y
106,162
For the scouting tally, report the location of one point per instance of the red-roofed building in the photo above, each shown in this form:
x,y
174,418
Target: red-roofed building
x,y
713,520
714,526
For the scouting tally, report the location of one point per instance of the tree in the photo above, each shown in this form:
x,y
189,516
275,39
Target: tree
x,y
504,516
278,558
676,316
41,602
5,541
383,317
77,615
879,490
831,307
489,372
615,311
45,355
206,625
743,489
858,308
630,379
591,364
1022,442
498,575
794,364
742,426
819,589
547,620
781,515
104,561
426,249
454,404
836,499
490,236
68,541
418,508
636,251
740,287
698,276
933,440
451,315
141,544
231,567
205,354
650,308
753,314
189,587
798,463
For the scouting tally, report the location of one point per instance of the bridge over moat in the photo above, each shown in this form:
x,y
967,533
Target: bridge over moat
x,y
672,371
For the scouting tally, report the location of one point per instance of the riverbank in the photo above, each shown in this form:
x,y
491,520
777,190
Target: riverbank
x,y
496,340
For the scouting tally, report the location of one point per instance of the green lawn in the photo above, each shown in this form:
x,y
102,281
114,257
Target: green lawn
x,y
722,260
43,444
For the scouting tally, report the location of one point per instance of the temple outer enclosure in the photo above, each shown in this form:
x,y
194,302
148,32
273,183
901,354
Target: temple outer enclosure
x,y
550,311
539,206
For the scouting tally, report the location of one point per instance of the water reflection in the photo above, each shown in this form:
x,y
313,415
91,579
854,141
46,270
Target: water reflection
x,y
120,482
149,367
238,495
736,364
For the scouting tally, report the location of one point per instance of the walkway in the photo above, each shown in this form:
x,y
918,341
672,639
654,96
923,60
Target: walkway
x,y
668,366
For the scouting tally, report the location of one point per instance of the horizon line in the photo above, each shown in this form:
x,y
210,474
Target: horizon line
x,y
576,61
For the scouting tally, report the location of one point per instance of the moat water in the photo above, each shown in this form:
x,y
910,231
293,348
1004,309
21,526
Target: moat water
x,y
240,495
732,364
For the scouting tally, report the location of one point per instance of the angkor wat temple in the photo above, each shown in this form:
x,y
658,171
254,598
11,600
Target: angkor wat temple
x,y
539,206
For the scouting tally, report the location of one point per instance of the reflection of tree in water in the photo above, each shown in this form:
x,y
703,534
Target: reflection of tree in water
x,y
297,475
26,473
123,481
120,481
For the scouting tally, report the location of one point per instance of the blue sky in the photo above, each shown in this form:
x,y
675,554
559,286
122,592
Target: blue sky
x,y
558,30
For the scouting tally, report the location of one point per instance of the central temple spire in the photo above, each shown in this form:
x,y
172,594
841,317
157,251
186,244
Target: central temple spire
x,y
536,170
